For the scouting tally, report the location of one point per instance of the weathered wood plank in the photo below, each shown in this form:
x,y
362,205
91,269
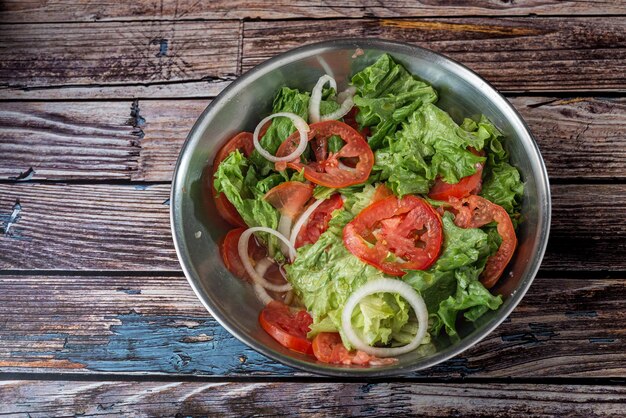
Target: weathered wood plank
x,y
68,398
540,54
86,227
117,59
158,59
148,324
580,138
92,10
120,227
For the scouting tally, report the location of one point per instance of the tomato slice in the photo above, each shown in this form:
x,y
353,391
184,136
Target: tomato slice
x,y
467,185
230,252
382,192
328,348
408,229
474,212
328,172
290,197
317,223
242,142
286,327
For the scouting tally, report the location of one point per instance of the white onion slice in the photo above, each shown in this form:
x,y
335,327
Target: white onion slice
x,y
316,96
284,227
346,98
300,125
261,269
301,220
242,247
385,286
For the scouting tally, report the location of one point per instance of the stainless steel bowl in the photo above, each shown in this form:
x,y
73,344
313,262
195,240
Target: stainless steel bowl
x,y
197,229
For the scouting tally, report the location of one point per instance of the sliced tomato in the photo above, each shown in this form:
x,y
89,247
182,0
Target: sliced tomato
x,y
382,192
474,212
230,253
327,172
242,142
290,197
395,235
317,223
467,185
286,327
328,348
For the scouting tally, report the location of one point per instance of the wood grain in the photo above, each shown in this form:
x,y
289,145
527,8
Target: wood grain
x,y
87,227
145,324
68,398
126,227
54,60
540,54
92,10
580,138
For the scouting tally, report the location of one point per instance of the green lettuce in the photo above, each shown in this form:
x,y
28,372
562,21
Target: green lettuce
x,y
502,183
286,100
430,145
237,178
293,101
386,95
325,274
452,284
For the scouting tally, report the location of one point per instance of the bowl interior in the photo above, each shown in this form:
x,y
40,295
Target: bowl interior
x,y
198,229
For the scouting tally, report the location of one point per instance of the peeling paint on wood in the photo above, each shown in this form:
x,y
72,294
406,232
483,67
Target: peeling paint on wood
x,y
163,328
127,227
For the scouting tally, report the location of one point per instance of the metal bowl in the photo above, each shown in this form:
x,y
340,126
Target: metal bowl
x,y
197,228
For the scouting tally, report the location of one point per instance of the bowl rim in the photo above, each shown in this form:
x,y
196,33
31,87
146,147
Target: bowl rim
x,y
385,45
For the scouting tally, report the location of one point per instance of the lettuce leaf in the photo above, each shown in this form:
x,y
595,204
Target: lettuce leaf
x,y
286,100
452,284
386,95
325,274
502,183
429,145
236,177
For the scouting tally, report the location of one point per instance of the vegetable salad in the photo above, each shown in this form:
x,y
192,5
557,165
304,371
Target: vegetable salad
x,y
367,221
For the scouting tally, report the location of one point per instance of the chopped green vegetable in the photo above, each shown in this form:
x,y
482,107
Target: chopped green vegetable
x,y
386,95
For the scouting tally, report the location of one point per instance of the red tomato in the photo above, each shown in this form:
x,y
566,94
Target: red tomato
x,y
474,212
288,328
290,197
382,192
466,186
327,172
408,227
230,253
317,223
243,142
328,348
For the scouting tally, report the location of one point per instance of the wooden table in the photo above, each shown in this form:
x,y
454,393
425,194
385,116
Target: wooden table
x,y
96,98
